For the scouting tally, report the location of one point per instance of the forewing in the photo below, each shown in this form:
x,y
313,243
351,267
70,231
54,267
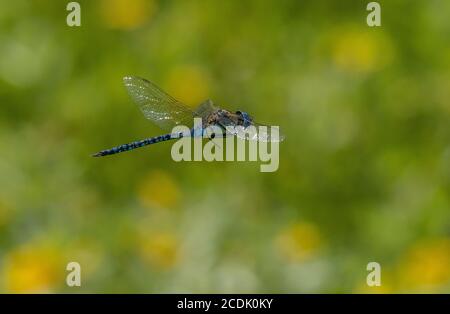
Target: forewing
x,y
205,109
156,105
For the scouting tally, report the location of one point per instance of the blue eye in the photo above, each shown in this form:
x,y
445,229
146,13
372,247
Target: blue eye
x,y
245,117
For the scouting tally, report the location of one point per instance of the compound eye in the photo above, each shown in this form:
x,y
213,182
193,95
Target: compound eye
x,y
239,113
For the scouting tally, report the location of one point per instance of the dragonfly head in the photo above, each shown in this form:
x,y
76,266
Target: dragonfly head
x,y
244,118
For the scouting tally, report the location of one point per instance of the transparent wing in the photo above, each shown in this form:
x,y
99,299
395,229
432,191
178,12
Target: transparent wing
x,y
205,109
156,105
259,132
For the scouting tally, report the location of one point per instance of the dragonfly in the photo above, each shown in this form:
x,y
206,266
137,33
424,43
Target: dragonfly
x,y
167,112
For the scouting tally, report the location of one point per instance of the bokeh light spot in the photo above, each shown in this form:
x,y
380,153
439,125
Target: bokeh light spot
x,y
158,189
299,242
126,14
189,84
160,249
33,269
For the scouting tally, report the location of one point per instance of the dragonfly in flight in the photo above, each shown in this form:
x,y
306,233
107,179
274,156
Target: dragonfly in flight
x,y
167,112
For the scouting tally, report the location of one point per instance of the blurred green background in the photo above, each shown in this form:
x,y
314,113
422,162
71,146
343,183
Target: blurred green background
x,y
364,170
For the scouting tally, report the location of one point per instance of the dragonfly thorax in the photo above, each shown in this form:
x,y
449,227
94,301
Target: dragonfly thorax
x,y
226,118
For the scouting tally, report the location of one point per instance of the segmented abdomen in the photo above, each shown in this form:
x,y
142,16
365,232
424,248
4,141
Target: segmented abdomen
x,y
133,145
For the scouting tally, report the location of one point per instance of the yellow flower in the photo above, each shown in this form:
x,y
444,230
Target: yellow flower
x,y
159,249
189,84
126,14
158,189
299,242
33,269
356,50
426,266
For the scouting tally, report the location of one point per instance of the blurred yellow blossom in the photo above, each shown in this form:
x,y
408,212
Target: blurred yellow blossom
x,y
189,84
33,269
158,189
426,266
159,249
299,242
356,50
126,14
